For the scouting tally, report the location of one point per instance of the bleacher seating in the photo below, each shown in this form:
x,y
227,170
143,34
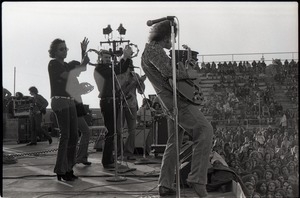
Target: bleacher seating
x,y
216,83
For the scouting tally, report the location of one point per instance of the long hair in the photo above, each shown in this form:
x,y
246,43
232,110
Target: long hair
x,y
161,30
53,47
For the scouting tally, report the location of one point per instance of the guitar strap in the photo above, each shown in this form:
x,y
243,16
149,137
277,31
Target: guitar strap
x,y
138,81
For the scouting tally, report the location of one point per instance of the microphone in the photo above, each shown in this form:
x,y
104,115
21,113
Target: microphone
x,y
151,22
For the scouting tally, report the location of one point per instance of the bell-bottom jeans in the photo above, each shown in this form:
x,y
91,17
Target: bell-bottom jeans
x,y
189,117
82,152
66,118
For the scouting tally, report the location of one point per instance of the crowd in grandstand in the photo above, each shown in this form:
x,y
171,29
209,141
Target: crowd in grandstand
x,y
243,93
261,155
264,156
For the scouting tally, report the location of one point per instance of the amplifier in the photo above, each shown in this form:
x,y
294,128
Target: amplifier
x,y
161,134
182,55
21,107
17,129
162,130
24,133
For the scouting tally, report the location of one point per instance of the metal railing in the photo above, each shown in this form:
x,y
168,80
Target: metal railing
x,y
267,57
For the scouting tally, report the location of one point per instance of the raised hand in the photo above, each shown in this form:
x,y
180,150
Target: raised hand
x,y
84,44
127,52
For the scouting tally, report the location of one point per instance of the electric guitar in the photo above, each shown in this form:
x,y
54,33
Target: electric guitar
x,y
190,89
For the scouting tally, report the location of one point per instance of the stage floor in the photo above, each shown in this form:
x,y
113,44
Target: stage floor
x,y
32,176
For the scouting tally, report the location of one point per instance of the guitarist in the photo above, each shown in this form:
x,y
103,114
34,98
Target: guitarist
x,y
131,83
158,68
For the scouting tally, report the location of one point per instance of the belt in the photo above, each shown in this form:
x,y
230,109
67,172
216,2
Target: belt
x,y
109,98
63,97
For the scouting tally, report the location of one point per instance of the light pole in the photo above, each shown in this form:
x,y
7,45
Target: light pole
x,y
114,53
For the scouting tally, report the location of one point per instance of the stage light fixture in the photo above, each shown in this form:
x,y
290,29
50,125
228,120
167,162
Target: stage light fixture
x,y
121,29
107,30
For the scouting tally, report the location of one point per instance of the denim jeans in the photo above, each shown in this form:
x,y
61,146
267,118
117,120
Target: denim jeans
x,y
107,111
65,111
189,117
131,125
36,129
82,151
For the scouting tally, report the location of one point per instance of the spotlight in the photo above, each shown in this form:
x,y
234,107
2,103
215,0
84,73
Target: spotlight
x,y
107,30
121,29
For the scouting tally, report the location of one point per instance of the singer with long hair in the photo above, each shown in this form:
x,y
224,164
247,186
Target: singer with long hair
x,y
158,69
63,105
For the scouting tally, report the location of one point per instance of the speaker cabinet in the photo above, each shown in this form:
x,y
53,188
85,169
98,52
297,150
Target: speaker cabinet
x,y
162,130
17,129
161,134
23,130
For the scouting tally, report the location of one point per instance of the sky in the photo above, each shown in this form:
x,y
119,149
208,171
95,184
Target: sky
x,y
209,28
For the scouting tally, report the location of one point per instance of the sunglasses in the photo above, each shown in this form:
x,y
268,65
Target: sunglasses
x,y
63,48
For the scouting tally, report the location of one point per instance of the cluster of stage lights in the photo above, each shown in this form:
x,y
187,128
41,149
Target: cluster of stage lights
x,y
108,30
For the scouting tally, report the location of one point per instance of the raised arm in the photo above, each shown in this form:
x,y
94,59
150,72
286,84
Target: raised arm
x,y
85,58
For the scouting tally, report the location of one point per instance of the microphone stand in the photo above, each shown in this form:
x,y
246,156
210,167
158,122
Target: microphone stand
x,y
175,110
122,168
116,178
